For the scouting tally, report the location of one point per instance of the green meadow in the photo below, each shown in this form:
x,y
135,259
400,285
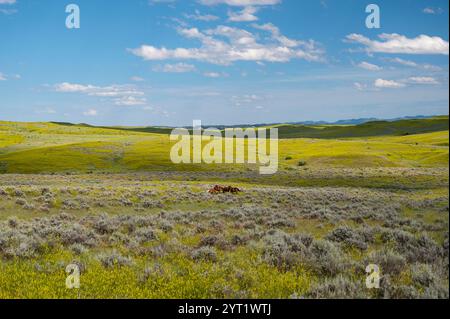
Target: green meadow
x,y
51,147
110,200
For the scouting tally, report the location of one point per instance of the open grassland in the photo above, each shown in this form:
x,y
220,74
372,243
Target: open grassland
x,y
49,148
138,226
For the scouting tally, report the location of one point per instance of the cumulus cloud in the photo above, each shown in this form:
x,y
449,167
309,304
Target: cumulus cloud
x,y
121,95
2,77
390,84
225,45
396,43
245,15
369,66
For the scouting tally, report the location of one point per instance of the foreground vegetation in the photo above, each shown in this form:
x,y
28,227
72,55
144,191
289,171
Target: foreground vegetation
x,y
110,201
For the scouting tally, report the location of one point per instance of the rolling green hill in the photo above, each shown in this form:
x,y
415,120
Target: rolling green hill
x,y
378,128
65,147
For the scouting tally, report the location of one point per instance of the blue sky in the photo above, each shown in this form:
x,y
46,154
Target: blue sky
x,y
168,62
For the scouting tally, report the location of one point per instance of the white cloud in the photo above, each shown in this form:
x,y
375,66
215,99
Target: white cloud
x,y
90,112
246,99
430,10
245,15
105,91
276,35
130,101
380,83
404,62
240,3
7,11
428,67
212,74
360,86
423,80
121,95
225,45
202,17
396,43
2,77
137,79
369,66
175,68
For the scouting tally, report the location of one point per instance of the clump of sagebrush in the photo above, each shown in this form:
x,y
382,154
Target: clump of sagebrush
x,y
282,251
156,270
415,249
206,253
423,275
78,234
21,202
213,241
28,206
286,251
389,261
349,237
18,193
166,226
239,240
281,222
26,247
12,221
145,234
105,225
326,258
339,287
114,259
78,249
302,163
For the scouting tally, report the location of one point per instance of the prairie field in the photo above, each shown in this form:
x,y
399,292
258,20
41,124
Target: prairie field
x,y
138,226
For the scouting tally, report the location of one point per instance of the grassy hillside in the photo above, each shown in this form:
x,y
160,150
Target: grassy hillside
x,y
52,147
376,128
379,128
